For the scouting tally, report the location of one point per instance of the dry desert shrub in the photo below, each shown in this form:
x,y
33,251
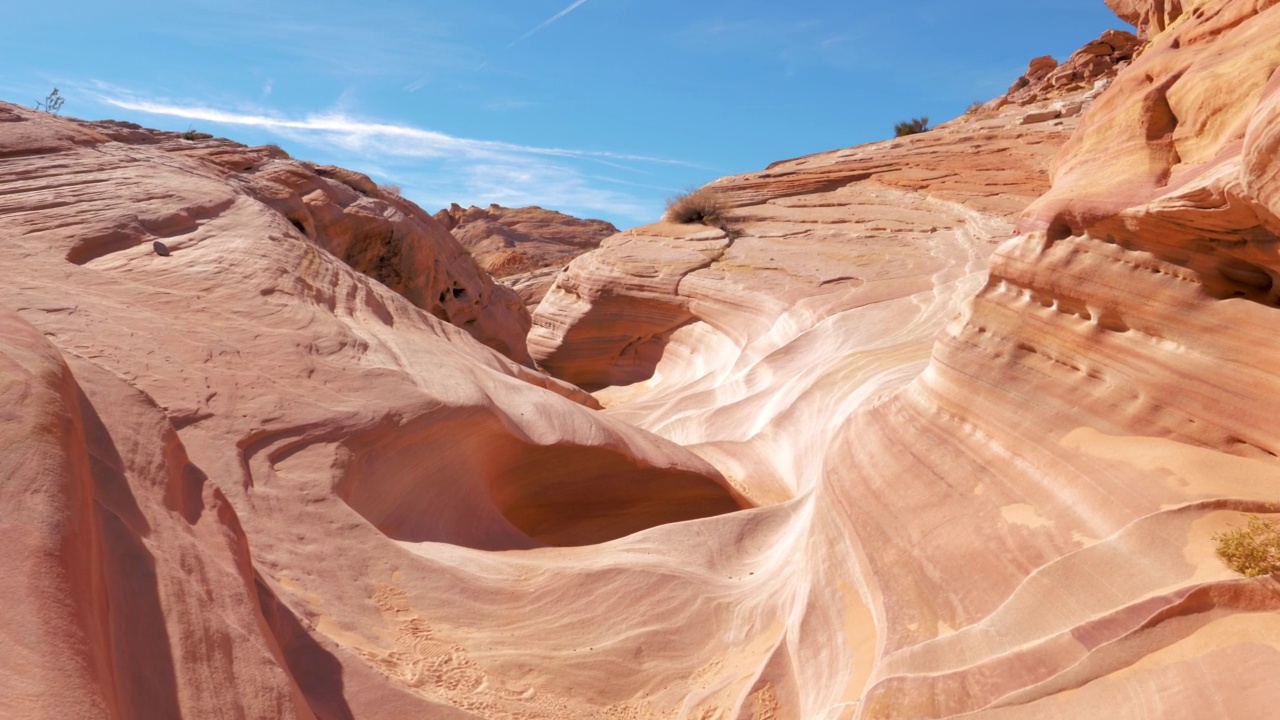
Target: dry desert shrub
x,y
52,103
1252,550
276,151
911,127
702,205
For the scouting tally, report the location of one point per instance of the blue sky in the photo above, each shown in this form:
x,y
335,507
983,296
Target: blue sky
x,y
601,108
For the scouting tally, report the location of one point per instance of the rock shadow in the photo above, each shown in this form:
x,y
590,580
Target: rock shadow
x,y
317,672
131,614
469,480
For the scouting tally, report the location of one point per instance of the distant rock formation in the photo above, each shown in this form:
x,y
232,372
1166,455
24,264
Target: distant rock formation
x,y
523,248
1045,79
378,233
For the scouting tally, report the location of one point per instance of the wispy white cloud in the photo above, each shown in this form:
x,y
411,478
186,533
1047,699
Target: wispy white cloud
x,y
521,184
547,22
436,168
268,87
628,183
392,37
356,133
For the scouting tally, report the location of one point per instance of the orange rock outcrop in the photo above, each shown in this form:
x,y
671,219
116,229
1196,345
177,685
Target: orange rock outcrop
x,y
1100,60
943,426
523,248
1149,16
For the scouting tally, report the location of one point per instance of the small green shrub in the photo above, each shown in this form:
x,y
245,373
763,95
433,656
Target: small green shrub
x,y
702,205
911,127
192,134
975,107
1252,550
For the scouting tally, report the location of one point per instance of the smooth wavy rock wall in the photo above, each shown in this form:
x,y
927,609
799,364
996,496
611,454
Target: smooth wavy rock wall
x,y
242,479
935,427
1016,521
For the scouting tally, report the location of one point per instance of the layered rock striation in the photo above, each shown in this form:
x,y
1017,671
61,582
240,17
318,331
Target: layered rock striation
x,y
1029,505
1045,79
943,426
804,240
1108,394
523,248
343,212
225,446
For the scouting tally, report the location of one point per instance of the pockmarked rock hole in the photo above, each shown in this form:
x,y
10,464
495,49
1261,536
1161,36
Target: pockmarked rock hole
x,y
468,481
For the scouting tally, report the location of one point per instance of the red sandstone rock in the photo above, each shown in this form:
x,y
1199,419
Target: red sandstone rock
x,y
1149,16
129,588
1114,385
244,480
523,248
218,463
380,234
828,232
1045,79
1031,506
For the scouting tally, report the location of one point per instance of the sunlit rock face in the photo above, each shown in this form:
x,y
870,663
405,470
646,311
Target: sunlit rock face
x,y
523,248
805,240
762,342
1045,79
1027,506
942,426
1100,409
1149,16
242,479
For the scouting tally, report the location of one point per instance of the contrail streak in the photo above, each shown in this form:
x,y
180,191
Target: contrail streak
x,y
552,19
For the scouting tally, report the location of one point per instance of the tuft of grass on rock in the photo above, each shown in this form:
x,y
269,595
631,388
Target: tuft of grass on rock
x,y
702,205
1252,550
911,127
275,151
